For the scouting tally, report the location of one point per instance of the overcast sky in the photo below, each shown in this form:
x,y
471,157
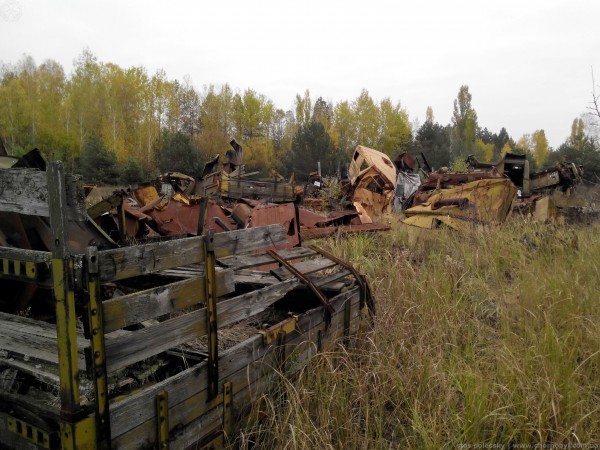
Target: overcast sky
x,y
527,63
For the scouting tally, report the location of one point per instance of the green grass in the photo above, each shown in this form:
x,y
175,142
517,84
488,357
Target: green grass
x,y
490,336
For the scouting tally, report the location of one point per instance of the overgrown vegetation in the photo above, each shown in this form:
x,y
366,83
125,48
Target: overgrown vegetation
x,y
488,337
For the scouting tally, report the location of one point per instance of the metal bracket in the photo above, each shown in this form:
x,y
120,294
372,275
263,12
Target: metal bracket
x,y
29,432
227,408
280,349
162,420
320,340
287,326
23,269
366,295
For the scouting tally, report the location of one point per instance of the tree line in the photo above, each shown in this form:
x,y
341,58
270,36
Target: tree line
x,y
112,123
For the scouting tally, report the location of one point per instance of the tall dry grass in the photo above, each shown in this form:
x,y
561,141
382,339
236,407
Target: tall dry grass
x,y
485,337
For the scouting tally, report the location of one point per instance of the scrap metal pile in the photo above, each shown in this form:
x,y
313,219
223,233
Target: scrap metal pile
x,y
226,198
488,193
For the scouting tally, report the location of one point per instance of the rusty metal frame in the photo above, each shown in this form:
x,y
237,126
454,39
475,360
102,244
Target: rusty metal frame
x,y
364,286
304,279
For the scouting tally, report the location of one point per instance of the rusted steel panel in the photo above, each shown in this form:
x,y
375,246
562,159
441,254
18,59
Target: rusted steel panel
x,y
308,218
284,214
176,218
338,217
217,219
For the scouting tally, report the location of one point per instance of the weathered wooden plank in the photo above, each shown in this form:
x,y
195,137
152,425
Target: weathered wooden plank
x,y
127,262
255,278
246,361
306,267
251,303
195,270
230,361
134,308
249,239
124,350
43,372
327,280
25,191
245,261
20,254
33,342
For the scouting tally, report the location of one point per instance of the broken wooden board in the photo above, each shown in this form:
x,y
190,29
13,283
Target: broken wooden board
x,y
31,346
127,262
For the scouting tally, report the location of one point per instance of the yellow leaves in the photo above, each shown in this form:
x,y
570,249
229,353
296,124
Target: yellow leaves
x,y
484,152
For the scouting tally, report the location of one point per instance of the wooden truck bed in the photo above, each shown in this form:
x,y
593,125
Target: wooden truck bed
x,y
156,345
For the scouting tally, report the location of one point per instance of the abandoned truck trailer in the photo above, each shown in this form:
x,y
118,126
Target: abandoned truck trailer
x,y
161,344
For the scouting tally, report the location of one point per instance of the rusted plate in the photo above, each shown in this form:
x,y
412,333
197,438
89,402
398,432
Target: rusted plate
x,y
218,218
308,218
284,214
176,218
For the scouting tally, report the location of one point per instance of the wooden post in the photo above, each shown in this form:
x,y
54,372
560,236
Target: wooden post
x,y
98,350
211,315
64,294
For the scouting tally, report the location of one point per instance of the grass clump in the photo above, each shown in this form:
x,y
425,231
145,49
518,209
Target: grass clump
x,y
486,337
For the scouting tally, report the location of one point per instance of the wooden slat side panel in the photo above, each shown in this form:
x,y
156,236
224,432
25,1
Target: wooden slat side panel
x,y
138,345
249,239
245,261
263,377
134,308
133,410
249,366
127,262
34,256
306,267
